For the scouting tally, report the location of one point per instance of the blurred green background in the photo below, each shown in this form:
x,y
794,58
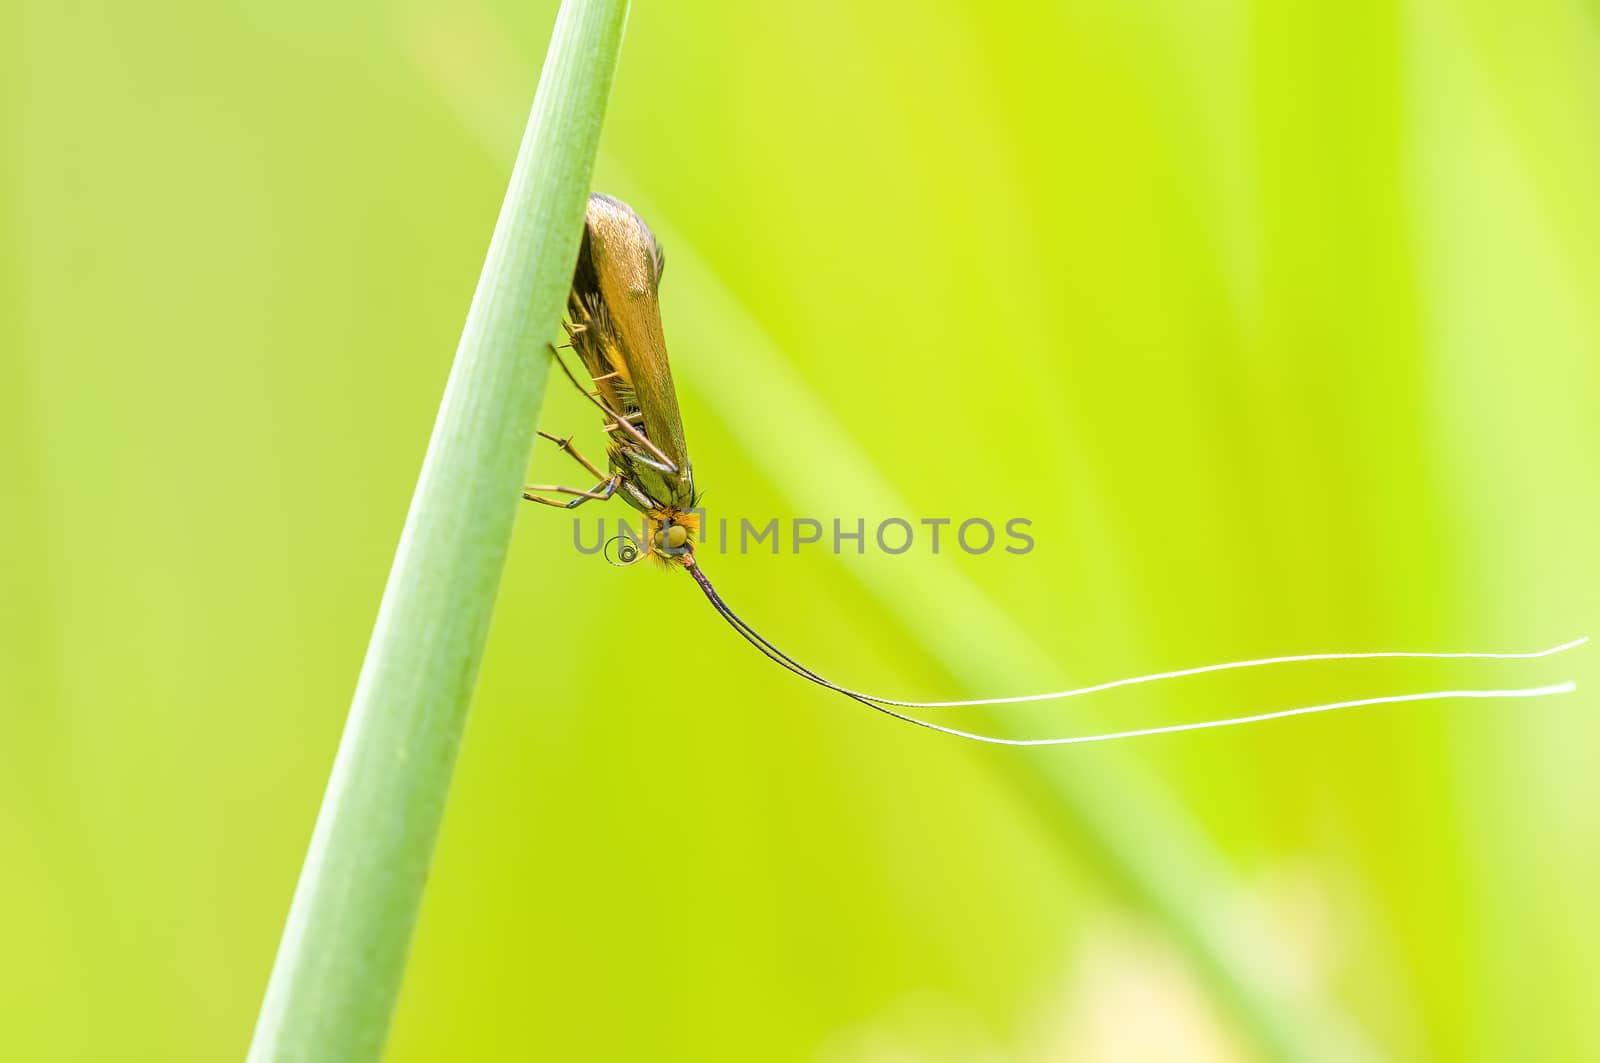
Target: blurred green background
x,y
1280,321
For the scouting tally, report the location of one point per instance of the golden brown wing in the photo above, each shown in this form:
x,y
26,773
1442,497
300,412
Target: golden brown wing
x,y
617,333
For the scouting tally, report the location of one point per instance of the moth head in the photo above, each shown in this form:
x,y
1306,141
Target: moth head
x,y
672,534
672,539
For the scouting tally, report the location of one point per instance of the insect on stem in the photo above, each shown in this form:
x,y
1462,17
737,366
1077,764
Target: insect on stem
x,y
615,328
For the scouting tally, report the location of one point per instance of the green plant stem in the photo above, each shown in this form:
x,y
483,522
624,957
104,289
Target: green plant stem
x,y
342,958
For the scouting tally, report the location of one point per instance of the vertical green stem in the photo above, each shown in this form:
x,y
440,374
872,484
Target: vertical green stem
x,y
343,953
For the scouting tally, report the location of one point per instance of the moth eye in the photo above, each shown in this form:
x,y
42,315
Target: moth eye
x,y
672,538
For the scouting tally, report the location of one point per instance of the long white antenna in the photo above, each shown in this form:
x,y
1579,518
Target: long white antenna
x,y
888,706
1434,695
1227,666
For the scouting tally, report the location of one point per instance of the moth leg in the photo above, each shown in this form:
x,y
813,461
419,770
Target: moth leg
x,y
639,456
573,332
621,420
566,447
598,493
555,352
